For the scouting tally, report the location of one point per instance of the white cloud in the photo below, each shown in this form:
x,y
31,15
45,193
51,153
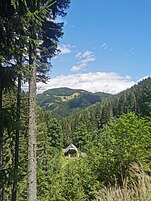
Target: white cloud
x,y
87,56
95,82
64,49
78,68
78,54
83,60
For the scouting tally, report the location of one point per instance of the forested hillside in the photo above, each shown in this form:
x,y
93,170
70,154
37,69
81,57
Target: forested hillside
x,y
137,99
65,101
113,151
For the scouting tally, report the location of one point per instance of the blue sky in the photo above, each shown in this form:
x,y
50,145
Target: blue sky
x,y
106,45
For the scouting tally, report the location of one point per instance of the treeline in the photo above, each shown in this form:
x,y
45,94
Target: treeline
x,y
137,99
109,155
64,101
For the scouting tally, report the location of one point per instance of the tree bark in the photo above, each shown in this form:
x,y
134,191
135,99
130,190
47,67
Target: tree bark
x,y
1,149
32,183
16,160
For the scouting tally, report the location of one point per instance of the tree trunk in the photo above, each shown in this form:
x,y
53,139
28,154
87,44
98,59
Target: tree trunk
x,y
16,160
32,183
1,149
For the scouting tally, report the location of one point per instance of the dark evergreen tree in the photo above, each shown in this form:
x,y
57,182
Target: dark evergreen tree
x,y
81,136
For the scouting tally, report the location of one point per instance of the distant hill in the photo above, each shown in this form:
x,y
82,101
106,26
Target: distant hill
x,y
64,101
136,99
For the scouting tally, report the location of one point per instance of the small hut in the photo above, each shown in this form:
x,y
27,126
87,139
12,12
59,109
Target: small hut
x,y
71,151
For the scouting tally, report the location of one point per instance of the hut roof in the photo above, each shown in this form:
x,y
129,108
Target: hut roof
x,y
71,147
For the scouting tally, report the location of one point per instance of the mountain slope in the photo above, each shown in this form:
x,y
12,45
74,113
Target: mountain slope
x,y
136,99
64,101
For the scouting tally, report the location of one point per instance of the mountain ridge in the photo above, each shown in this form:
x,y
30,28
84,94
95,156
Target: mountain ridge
x,y
64,101
136,99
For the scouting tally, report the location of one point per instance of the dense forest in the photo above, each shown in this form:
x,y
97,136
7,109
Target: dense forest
x,y
112,137
137,99
116,151
64,101
29,39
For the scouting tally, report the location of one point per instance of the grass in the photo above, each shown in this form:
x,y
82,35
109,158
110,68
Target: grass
x,y
67,98
66,160
135,188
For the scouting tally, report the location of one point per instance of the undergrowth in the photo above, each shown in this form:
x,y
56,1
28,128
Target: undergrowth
x,y
136,187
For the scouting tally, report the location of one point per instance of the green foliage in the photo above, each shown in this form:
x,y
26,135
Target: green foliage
x,y
123,142
109,154
137,99
8,120
59,179
25,28
73,189
65,101
49,168
49,129
140,190
77,180
81,136
54,134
